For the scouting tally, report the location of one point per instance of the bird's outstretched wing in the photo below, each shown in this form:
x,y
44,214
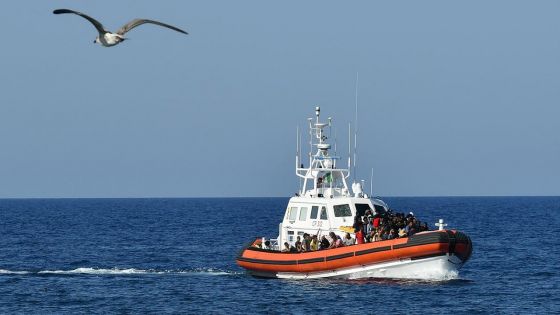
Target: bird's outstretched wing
x,y
93,21
137,22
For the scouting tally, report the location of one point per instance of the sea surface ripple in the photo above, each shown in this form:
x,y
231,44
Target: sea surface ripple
x,y
67,256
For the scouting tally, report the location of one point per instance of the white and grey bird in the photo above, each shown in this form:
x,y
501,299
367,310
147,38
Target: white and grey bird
x,y
107,38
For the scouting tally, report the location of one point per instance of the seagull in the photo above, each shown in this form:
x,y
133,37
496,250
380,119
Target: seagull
x,y
107,38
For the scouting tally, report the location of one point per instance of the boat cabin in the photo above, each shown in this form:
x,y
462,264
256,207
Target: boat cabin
x,y
322,215
324,202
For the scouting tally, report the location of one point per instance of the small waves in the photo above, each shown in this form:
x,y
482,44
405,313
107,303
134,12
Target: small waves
x,y
212,272
121,271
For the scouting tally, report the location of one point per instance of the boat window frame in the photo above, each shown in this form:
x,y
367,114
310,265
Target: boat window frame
x,y
303,211
316,208
294,211
347,210
323,210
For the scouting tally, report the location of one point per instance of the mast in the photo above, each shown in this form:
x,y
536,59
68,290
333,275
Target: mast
x,y
322,178
355,130
371,184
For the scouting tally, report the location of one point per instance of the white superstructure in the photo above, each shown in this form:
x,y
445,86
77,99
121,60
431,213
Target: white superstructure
x,y
324,202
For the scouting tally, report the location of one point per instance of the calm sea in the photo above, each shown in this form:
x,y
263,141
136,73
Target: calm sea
x,y
153,256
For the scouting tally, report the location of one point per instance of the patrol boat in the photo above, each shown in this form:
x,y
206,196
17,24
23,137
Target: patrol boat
x,y
325,204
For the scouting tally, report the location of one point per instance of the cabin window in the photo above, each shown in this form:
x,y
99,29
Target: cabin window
x,y
293,213
314,212
361,209
324,213
291,236
342,211
303,213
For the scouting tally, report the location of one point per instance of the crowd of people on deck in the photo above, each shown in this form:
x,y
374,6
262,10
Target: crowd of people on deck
x,y
387,226
312,243
371,227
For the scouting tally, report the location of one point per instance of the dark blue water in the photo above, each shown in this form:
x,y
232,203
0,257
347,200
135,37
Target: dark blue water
x,y
178,256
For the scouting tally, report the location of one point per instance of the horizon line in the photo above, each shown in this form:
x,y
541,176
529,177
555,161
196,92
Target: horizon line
x,y
271,197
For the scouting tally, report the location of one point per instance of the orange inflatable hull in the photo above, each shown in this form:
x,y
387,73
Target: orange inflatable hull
x,y
418,246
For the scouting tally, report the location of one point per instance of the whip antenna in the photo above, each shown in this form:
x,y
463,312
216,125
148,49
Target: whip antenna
x,y
298,156
297,147
349,148
356,128
371,184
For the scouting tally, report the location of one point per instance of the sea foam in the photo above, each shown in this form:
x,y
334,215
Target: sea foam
x,y
121,271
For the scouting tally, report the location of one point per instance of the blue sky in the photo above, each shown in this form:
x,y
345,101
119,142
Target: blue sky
x,y
455,98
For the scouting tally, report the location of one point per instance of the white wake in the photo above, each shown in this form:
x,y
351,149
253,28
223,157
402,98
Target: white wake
x,y
12,272
121,271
